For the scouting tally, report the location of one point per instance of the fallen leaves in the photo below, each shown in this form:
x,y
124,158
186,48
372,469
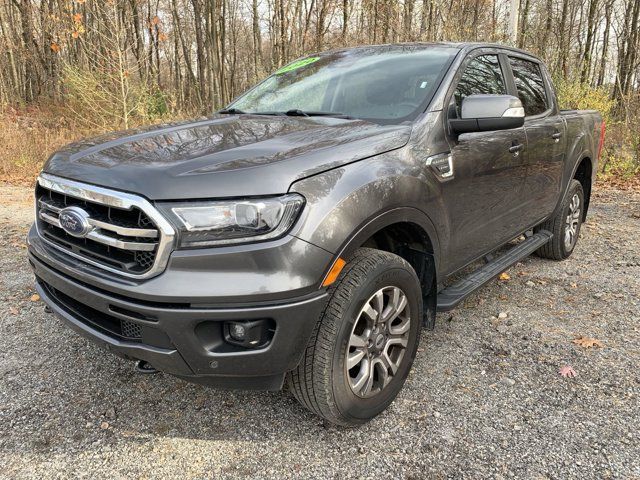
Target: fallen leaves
x,y
567,371
587,342
504,276
35,297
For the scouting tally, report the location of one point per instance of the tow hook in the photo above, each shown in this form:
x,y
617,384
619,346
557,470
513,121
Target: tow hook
x,y
144,367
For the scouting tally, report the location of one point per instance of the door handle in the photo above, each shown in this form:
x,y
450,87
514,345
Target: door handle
x,y
515,149
556,136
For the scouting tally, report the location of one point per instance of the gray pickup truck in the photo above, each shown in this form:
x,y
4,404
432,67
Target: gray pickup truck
x,y
305,234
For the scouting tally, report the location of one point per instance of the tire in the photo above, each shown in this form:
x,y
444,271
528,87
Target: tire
x,y
321,382
565,231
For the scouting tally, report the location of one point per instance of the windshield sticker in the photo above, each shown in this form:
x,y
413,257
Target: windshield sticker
x,y
298,64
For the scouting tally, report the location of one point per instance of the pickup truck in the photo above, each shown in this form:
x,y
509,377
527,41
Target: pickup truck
x,y
304,235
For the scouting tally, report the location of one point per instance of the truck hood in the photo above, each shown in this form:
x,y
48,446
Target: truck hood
x,y
222,155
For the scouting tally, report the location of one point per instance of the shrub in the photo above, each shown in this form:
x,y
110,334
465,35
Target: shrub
x,y
581,96
621,152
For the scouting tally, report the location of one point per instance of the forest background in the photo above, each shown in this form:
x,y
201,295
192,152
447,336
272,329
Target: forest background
x,y
76,68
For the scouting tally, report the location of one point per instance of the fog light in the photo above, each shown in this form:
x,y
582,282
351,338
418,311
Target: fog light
x,y
249,333
237,331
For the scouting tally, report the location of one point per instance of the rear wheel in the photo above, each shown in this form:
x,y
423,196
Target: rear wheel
x,y
363,346
565,225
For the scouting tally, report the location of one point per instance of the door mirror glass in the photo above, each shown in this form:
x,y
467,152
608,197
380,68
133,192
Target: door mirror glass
x,y
483,113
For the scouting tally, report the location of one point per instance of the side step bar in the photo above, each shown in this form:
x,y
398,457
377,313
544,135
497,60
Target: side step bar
x,y
454,294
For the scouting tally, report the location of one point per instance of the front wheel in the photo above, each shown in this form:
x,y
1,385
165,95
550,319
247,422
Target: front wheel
x,y
565,225
363,346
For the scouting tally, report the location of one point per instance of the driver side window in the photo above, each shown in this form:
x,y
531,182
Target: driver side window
x,y
482,75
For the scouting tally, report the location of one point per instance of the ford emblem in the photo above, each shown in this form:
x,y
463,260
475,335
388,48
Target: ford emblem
x,y
74,221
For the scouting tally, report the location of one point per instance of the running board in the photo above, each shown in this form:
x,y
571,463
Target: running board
x,y
453,295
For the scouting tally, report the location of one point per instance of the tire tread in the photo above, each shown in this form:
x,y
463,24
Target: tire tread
x,y
310,381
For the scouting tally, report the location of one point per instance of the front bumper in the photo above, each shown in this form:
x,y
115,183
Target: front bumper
x,y
181,338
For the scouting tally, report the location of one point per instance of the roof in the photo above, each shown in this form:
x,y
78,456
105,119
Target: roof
x,y
458,45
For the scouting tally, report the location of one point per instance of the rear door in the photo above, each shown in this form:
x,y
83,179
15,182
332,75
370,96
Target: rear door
x,y
545,131
483,196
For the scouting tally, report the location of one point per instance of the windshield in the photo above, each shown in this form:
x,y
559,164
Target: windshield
x,y
384,85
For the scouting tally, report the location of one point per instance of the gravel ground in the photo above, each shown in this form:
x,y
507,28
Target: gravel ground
x,y
484,398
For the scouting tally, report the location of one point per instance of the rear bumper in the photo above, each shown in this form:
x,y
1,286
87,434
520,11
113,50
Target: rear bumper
x,y
180,339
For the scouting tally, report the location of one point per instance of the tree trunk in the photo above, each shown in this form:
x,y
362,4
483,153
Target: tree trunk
x,y
605,43
562,47
548,24
408,20
257,40
524,18
591,26
345,20
200,53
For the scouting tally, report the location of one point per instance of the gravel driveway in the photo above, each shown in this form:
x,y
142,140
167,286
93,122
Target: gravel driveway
x,y
484,398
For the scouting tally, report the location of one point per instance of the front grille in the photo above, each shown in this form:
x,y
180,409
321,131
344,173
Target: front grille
x,y
120,235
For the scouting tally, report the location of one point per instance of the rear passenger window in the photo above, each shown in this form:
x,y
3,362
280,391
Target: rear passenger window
x,y
530,85
482,75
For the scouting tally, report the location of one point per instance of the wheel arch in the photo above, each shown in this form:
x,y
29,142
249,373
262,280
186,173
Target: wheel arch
x,y
407,225
408,233
583,172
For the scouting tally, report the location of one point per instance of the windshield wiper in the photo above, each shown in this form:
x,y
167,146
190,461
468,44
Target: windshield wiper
x,y
296,112
232,111
237,111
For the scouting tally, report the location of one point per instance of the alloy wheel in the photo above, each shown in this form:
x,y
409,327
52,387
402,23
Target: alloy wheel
x,y
571,223
378,341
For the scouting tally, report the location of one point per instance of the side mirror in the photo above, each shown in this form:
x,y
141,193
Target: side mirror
x,y
483,113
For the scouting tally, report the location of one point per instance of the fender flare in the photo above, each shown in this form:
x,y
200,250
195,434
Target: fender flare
x,y
585,154
388,218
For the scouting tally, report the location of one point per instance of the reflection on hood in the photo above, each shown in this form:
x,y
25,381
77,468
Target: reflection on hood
x,y
224,148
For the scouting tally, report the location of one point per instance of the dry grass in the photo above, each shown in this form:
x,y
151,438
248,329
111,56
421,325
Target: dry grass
x,y
29,136
620,160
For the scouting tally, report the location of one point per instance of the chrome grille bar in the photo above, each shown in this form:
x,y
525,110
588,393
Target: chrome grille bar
x,y
125,231
49,206
114,242
104,239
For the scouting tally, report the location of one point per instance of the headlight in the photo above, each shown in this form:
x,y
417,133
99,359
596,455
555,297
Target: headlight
x,y
226,222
